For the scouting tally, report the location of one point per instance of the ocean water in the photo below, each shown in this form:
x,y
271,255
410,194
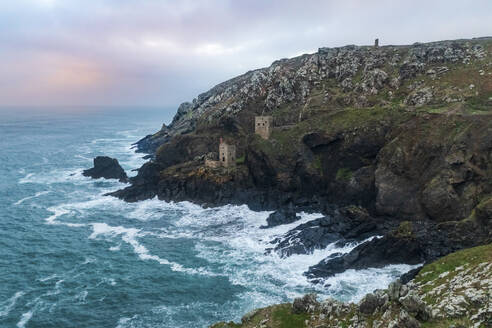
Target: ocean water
x,y
72,257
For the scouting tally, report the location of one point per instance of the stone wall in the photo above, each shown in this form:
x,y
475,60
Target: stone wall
x,y
211,163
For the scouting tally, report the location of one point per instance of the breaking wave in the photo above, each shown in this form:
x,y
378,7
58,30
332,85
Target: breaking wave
x,y
108,263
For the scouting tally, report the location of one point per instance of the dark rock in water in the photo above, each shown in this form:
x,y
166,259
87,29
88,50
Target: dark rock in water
x,y
283,216
346,225
375,253
410,243
106,167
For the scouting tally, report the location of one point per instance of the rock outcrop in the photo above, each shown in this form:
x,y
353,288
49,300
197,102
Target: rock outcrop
x,y
455,291
343,226
282,216
106,167
410,242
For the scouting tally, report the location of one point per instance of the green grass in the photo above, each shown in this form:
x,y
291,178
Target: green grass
x,y
470,256
284,318
467,258
446,323
241,160
405,230
318,164
344,174
226,325
284,142
480,104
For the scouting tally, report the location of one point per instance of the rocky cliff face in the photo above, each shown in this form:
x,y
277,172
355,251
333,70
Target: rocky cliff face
x,y
404,133
334,78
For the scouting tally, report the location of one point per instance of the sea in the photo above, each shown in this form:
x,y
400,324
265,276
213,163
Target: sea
x,y
72,257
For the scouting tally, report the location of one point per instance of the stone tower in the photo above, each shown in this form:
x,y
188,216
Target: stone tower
x,y
376,43
263,126
227,154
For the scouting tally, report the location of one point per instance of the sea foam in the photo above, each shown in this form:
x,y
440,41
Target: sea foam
x,y
9,304
38,194
130,235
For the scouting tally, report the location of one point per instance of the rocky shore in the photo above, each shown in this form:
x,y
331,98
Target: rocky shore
x,y
455,291
392,144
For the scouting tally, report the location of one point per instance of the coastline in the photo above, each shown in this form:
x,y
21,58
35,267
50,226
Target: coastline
x,y
453,291
411,165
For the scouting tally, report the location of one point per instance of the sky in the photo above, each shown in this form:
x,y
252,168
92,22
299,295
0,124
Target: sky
x,y
160,53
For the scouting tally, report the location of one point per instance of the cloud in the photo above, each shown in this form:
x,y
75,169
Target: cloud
x,y
114,52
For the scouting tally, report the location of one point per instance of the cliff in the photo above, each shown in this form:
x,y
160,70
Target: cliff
x,y
455,291
396,137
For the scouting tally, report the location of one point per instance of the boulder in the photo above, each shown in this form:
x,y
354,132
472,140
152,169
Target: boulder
x,y
414,305
331,306
405,320
106,167
368,304
419,97
283,216
305,304
394,290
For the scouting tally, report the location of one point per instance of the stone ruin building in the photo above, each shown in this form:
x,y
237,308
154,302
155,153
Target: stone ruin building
x,y
376,43
227,156
263,126
227,152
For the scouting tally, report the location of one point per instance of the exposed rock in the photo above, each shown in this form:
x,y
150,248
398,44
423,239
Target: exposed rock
x,y
414,305
407,277
460,295
106,167
410,243
394,290
368,304
407,321
282,216
331,306
343,226
306,304
419,97
379,252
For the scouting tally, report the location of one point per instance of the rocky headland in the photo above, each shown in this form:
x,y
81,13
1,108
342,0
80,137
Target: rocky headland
x,y
455,291
391,142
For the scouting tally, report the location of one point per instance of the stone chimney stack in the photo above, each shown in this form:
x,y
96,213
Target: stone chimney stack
x,y
376,43
227,154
